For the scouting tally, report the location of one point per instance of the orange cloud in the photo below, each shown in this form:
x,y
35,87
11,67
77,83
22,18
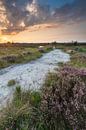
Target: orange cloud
x,y
42,26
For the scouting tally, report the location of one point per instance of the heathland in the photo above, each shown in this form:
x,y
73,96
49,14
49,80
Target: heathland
x,y
61,102
12,54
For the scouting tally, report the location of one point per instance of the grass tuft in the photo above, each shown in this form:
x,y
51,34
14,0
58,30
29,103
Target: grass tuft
x,y
11,82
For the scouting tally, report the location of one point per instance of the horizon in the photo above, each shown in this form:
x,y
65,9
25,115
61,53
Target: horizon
x,y
52,42
38,21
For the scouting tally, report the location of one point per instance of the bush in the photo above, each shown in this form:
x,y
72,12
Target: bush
x,y
11,58
78,60
2,63
11,82
79,49
64,102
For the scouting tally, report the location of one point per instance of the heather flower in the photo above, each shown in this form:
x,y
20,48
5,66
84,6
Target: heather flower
x,y
65,100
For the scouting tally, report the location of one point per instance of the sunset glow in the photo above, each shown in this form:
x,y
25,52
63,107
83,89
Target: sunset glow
x,y
42,21
5,39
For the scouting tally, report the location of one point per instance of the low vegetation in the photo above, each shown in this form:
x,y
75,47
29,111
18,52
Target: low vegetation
x,y
15,55
78,60
59,105
11,82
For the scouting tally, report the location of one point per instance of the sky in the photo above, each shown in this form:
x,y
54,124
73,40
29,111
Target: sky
x,y
42,20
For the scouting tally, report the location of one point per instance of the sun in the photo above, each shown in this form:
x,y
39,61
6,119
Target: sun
x,y
4,39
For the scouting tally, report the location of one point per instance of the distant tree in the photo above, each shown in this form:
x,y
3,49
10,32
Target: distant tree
x,y
75,43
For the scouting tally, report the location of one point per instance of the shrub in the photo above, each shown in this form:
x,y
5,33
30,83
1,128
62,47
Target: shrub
x,y
11,82
78,60
64,102
79,49
2,63
11,58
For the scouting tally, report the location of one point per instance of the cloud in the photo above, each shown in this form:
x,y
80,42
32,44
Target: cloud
x,y
18,15
42,26
14,15
71,12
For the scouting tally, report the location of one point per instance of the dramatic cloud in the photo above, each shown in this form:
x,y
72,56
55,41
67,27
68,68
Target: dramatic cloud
x,y
71,12
42,26
18,15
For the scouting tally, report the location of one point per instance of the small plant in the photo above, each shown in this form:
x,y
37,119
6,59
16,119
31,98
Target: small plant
x,y
35,98
18,90
11,82
18,96
61,64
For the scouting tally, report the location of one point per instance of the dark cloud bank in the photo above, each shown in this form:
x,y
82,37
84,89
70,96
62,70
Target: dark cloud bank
x,y
20,14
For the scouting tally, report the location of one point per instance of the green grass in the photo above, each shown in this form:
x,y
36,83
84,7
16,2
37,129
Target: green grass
x,y
81,49
19,55
19,110
22,55
78,55
78,58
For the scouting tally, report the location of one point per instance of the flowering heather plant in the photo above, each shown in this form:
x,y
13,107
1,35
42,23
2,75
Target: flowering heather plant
x,y
60,105
64,102
78,60
70,70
